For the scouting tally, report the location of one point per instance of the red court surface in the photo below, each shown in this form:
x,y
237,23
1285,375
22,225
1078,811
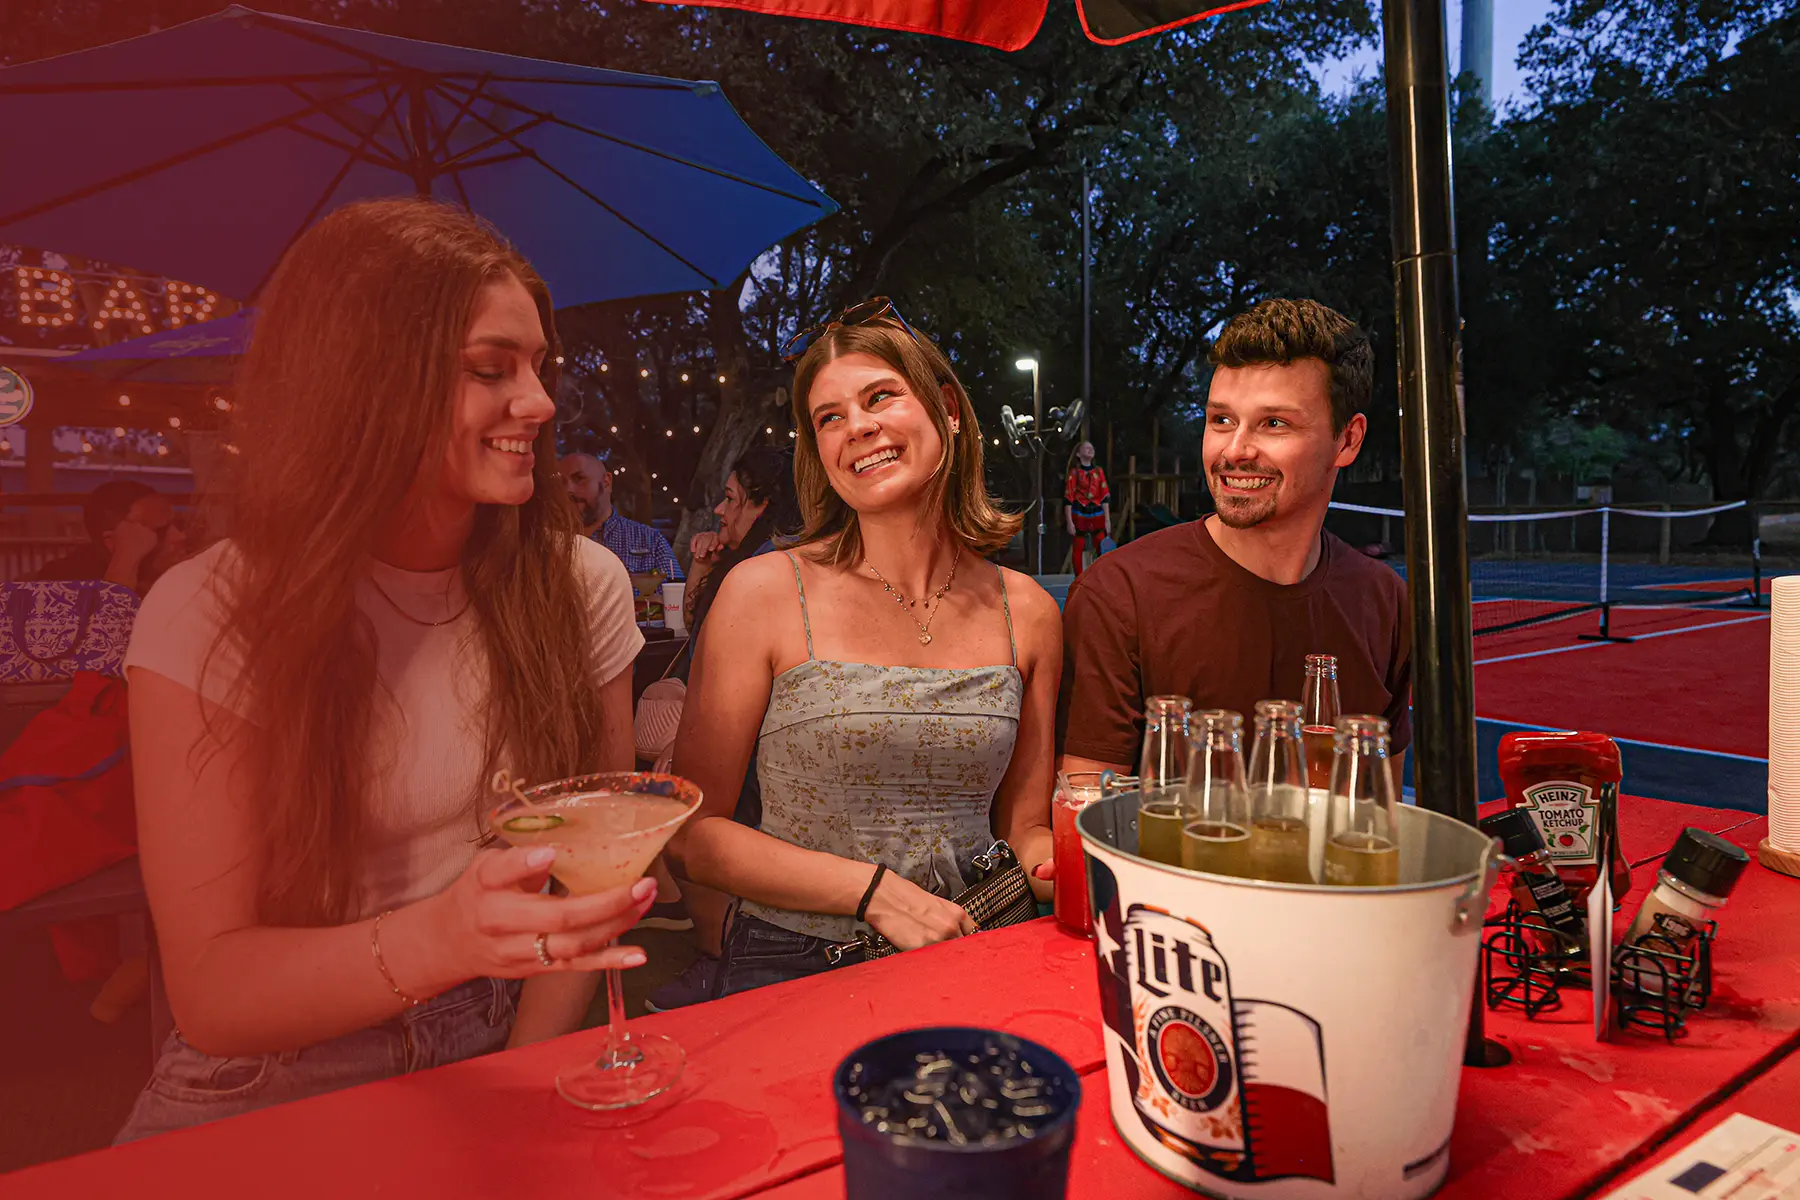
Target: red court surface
x,y
1694,678
756,1117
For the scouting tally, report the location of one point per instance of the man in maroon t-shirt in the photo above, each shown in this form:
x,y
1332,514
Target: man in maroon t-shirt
x,y
1225,610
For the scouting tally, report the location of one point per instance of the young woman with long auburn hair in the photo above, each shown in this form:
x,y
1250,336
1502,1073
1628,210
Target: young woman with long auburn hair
x,y
899,691
317,704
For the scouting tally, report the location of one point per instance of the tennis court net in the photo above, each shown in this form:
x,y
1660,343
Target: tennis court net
x,y
1529,567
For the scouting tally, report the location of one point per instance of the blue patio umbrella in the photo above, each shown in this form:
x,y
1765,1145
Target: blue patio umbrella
x,y
202,151
206,352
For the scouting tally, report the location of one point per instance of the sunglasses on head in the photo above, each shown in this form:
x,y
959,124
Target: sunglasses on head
x,y
874,309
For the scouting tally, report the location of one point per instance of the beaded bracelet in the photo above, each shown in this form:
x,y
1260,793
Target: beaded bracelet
x,y
381,963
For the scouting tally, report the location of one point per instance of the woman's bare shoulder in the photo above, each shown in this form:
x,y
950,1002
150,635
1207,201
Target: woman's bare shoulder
x,y
1029,601
753,582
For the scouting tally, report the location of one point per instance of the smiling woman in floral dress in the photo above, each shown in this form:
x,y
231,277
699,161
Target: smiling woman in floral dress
x,y
898,689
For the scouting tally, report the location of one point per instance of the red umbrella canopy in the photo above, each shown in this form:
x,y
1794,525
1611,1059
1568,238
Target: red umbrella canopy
x,y
1002,24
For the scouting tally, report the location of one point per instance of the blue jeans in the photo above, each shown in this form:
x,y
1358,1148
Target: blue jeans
x,y
757,954
188,1087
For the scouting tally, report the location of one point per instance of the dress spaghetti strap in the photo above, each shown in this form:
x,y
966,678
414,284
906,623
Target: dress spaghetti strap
x,y
1006,605
806,619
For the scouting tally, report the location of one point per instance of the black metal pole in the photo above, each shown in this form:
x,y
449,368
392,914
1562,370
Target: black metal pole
x,y
1087,310
1037,425
1431,427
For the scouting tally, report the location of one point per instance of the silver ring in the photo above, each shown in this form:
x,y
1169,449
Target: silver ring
x,y
543,950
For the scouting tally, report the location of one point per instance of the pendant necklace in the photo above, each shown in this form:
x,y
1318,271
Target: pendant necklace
x,y
935,599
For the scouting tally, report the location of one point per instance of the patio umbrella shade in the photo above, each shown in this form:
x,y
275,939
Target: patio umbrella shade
x,y
1002,24
203,151
205,352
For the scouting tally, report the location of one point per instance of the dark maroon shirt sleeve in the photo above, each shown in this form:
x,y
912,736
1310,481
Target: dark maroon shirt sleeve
x,y
1099,710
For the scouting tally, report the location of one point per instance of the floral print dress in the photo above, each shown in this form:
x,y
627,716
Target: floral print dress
x,y
894,765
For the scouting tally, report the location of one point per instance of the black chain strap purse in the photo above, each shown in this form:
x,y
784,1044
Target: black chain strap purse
x,y
1000,896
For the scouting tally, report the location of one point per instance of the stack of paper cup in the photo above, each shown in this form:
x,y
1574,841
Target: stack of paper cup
x,y
1784,715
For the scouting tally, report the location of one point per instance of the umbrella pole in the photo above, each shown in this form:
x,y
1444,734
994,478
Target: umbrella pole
x,y
1431,428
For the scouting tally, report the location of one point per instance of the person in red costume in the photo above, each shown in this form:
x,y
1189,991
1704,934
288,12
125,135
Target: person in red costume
x,y
1089,511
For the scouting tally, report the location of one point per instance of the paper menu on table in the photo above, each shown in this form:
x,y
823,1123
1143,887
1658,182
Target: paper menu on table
x,y
1744,1159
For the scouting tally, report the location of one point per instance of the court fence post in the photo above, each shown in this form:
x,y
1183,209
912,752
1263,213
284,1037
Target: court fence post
x,y
1756,576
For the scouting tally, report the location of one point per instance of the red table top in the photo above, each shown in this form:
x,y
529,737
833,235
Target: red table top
x,y
755,1115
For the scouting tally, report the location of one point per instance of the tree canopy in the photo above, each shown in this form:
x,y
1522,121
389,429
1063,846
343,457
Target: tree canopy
x,y
1627,234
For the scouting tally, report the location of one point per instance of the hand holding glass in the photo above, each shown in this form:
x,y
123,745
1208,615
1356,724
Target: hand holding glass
x,y
606,829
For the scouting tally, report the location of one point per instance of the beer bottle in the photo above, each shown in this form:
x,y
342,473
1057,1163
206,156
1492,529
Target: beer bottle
x,y
1362,843
1280,836
1216,837
1162,777
1319,715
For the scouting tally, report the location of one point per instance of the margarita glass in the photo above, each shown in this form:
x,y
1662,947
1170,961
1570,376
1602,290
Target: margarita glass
x,y
606,830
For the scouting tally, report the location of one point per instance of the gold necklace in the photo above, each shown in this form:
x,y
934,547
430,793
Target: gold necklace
x,y
395,605
935,598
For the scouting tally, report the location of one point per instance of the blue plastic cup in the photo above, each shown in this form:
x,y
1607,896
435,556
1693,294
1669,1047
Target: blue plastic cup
x,y
886,1166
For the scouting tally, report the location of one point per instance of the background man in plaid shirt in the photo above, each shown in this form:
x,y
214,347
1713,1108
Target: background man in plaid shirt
x,y
638,546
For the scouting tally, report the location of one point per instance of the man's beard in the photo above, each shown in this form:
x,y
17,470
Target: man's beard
x,y
589,510
1243,512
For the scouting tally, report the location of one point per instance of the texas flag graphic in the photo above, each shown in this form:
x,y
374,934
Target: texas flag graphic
x,y
1282,1065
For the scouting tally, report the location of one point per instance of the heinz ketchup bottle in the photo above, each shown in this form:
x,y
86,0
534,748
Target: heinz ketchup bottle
x,y
1569,783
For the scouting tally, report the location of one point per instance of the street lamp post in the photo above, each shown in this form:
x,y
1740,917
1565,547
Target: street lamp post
x,y
1035,546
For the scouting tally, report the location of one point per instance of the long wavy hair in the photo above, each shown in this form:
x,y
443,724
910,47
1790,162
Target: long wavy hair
x,y
958,488
343,412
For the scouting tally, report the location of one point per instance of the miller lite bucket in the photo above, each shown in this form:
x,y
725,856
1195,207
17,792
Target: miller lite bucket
x,y
1287,1040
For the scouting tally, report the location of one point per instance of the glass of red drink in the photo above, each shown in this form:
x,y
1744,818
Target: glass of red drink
x,y
1074,792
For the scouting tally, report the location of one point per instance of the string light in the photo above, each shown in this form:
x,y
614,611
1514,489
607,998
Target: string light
x,y
615,429
174,422
87,447
119,431
790,433
124,401
668,433
644,373
721,379
653,474
768,429
162,450
602,367
684,377
696,429
559,361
